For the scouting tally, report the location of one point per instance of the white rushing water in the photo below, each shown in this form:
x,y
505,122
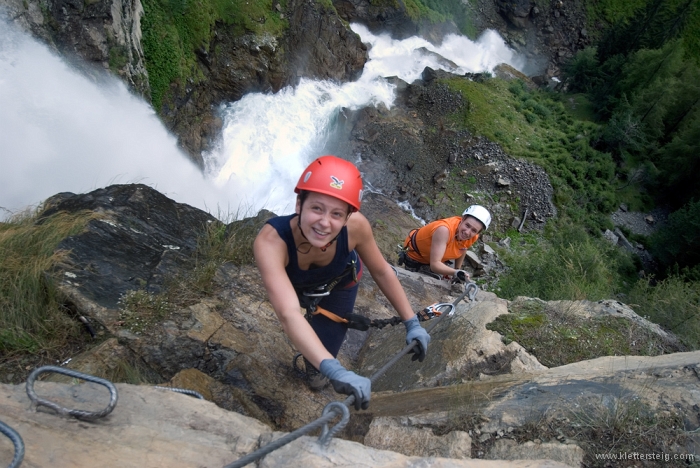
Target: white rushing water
x,y
61,132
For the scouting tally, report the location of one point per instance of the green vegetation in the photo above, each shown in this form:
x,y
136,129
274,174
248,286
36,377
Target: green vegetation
x,y
626,130
674,303
37,328
32,318
564,263
537,126
174,31
643,80
556,336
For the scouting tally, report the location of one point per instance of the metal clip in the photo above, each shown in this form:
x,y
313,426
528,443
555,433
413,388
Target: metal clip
x,y
327,434
471,294
318,292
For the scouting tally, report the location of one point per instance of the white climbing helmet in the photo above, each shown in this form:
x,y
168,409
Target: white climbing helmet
x,y
480,213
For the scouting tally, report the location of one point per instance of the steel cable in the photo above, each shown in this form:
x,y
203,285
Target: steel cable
x,y
184,391
329,412
16,441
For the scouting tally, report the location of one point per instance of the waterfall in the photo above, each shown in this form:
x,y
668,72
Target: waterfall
x,y
62,132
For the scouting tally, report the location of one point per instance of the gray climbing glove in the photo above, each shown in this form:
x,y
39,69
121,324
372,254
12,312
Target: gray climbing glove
x,y
415,332
347,382
460,276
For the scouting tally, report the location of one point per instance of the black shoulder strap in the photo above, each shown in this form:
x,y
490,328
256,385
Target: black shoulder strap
x,y
412,240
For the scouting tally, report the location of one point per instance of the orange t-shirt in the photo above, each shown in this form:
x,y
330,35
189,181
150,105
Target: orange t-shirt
x,y
424,239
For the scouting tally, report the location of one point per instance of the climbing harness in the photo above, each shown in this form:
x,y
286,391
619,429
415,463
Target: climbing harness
x,y
354,321
412,265
311,296
334,409
16,441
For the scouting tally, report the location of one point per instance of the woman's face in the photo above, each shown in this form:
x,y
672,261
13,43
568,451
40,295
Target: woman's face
x,y
322,218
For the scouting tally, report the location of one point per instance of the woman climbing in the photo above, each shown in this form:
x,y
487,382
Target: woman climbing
x,y
313,259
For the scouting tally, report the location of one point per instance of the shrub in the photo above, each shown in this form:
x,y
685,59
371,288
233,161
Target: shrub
x,y
678,242
672,303
32,317
566,264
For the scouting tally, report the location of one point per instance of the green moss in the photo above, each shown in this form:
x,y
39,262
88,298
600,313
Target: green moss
x,y
557,336
174,29
117,58
140,310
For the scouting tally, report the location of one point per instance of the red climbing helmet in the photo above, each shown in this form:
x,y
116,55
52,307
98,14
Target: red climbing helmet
x,y
333,176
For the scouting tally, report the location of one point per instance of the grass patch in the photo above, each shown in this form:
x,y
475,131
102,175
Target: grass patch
x,y
32,316
564,262
626,425
175,30
615,425
140,310
558,336
673,303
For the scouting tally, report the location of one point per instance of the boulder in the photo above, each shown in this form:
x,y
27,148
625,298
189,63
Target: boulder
x,y
152,427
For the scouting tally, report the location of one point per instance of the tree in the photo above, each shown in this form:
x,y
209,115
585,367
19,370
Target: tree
x,y
678,243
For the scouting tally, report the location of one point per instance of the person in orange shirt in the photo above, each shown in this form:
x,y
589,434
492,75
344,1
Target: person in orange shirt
x,y
429,247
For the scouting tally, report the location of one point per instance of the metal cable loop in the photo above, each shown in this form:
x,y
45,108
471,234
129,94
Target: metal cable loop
x,y
80,414
327,434
292,436
16,441
184,391
323,420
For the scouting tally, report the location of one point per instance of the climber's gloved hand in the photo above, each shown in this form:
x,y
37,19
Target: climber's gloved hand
x,y
460,276
347,382
414,331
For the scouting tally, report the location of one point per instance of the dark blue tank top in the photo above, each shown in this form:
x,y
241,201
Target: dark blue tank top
x,y
304,279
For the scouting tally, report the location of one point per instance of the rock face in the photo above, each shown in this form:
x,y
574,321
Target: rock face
x,y
107,33
104,33
154,428
228,346
462,350
136,236
410,153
